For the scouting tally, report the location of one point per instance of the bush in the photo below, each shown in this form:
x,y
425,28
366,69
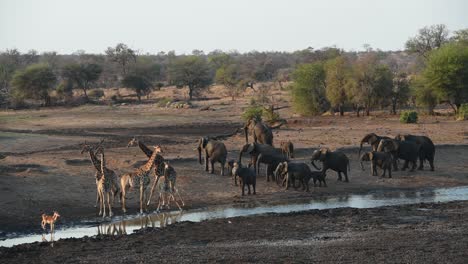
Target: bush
x,y
409,117
463,112
96,93
163,102
254,112
260,113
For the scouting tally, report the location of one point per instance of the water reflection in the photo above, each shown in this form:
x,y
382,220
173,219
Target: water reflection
x,y
127,225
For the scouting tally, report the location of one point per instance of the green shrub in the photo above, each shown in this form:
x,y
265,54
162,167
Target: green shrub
x,y
163,102
260,113
463,112
96,93
409,117
255,112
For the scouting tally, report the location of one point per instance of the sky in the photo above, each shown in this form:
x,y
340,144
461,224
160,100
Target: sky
x,y
152,26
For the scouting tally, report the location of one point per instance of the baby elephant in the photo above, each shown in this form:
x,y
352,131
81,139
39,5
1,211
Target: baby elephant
x,y
299,171
246,176
287,148
383,160
230,166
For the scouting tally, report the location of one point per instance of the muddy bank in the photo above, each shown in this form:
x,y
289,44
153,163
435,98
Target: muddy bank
x,y
418,233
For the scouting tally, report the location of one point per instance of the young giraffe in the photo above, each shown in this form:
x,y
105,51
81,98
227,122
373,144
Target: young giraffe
x,y
167,188
97,165
108,186
158,164
139,178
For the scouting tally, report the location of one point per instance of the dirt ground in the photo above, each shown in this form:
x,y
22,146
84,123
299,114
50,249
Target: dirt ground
x,y
421,233
42,169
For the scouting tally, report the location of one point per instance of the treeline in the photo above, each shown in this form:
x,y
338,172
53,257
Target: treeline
x,y
324,79
367,81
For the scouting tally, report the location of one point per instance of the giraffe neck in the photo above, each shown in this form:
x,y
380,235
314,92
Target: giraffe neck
x,y
150,163
103,165
145,149
96,162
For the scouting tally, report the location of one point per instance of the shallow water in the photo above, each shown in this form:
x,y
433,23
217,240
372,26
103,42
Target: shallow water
x,y
128,224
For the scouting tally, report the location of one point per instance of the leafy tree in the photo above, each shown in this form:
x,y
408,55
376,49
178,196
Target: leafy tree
x,y
425,95
139,83
229,76
122,55
308,89
338,82
460,36
190,71
447,73
428,38
34,82
373,83
83,75
400,91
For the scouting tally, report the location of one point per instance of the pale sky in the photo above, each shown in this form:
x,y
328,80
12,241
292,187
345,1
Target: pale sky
x,y
244,25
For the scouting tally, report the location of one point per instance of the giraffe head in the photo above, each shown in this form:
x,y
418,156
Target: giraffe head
x,y
56,215
158,149
85,147
132,142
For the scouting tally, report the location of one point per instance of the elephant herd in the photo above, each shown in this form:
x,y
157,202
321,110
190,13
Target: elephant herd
x,y
385,154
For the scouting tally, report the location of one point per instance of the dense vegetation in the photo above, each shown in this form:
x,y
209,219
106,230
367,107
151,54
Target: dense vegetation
x,y
432,70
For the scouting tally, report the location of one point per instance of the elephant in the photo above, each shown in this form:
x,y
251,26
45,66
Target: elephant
x,y
262,153
260,131
247,176
381,159
215,151
334,160
373,140
405,150
299,171
427,151
287,148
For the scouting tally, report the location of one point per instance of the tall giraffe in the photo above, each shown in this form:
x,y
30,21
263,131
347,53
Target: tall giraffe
x,y
158,164
97,165
108,186
139,178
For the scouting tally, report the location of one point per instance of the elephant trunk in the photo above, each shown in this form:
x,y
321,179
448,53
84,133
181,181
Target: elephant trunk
x,y
360,148
315,166
362,166
240,157
199,155
246,131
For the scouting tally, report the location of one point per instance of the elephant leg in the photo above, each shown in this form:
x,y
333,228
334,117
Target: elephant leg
x,y
212,166
389,171
431,162
222,168
421,162
405,165
248,187
206,163
414,165
243,187
339,176
395,160
253,186
346,176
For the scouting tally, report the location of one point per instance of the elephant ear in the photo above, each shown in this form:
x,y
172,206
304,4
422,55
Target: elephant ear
x,y
373,138
203,142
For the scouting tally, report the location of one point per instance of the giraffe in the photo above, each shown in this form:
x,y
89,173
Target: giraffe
x,y
108,186
167,188
97,165
158,164
139,178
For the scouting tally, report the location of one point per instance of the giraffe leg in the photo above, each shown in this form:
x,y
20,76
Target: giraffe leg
x,y
109,198
180,197
173,198
141,198
155,183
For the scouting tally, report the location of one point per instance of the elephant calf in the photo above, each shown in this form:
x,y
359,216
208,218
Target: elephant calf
x,y
299,171
381,159
247,176
287,148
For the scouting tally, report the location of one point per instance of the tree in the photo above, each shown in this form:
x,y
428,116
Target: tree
x,y
82,75
338,75
429,38
228,75
308,89
460,36
190,71
400,91
447,73
373,83
34,82
425,95
139,83
122,55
